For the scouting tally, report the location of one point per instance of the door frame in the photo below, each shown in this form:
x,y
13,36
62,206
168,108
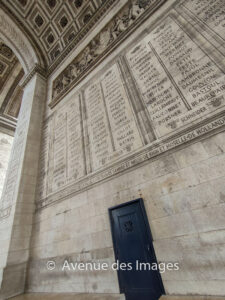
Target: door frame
x,y
140,201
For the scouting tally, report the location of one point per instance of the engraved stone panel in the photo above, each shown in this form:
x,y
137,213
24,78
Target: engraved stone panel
x,y
60,149
210,12
171,80
156,88
68,153
111,122
177,80
75,151
124,129
98,125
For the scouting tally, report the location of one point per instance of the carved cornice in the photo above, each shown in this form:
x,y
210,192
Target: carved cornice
x,y
191,134
149,7
122,25
104,7
37,69
100,13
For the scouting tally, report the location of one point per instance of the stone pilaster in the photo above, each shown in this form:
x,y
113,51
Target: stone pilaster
x,y
18,198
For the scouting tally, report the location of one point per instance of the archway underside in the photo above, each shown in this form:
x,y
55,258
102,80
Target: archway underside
x,y
11,74
56,27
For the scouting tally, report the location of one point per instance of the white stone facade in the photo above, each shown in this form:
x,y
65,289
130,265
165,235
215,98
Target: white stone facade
x,y
145,121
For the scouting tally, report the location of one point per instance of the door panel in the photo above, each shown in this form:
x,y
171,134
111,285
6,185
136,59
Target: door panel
x,y
133,244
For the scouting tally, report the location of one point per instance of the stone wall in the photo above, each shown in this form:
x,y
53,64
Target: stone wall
x,y
163,141
5,149
155,92
184,198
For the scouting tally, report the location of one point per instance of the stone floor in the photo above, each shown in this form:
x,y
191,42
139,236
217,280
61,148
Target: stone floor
x,y
167,297
43,296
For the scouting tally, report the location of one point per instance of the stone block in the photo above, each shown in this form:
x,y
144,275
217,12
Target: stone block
x,y
17,244
210,169
174,182
190,155
172,226
195,287
209,218
17,257
13,274
215,145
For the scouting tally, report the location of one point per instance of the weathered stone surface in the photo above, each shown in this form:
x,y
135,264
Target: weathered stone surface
x,y
46,296
5,148
149,124
165,82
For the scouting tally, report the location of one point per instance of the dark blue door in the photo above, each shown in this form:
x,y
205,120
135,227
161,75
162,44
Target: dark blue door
x,y
133,246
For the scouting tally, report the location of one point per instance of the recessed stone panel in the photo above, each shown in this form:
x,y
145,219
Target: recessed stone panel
x,y
111,122
176,79
211,13
162,90
62,156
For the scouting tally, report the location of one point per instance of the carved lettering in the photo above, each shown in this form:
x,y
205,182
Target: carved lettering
x,y
66,163
177,80
101,142
111,122
210,12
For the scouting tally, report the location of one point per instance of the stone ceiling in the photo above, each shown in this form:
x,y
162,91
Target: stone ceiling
x,y
56,24
11,73
54,27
